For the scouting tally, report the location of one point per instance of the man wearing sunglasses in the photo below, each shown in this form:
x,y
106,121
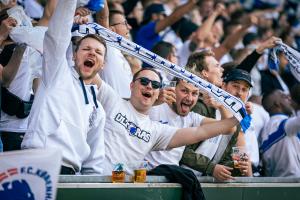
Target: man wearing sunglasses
x,y
130,134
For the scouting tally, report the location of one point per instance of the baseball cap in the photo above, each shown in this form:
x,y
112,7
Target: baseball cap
x,y
151,9
238,74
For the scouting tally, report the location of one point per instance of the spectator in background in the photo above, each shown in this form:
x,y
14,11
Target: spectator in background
x,y
167,51
280,139
117,72
155,21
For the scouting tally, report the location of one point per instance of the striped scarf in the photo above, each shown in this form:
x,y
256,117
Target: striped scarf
x,y
234,104
291,55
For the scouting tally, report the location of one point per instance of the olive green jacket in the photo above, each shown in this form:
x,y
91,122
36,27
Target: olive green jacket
x,y
200,162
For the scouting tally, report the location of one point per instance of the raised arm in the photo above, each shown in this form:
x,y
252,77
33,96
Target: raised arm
x,y
102,16
57,39
48,12
193,135
249,62
205,29
175,16
231,40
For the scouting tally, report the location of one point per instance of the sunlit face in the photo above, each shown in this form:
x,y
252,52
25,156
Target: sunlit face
x,y
173,56
206,8
213,72
119,25
186,98
89,58
238,88
144,96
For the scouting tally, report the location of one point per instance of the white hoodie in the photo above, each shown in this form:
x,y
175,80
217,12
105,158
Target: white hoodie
x,y
60,115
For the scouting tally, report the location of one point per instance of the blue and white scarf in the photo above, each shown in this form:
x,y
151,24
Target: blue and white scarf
x,y
234,104
291,55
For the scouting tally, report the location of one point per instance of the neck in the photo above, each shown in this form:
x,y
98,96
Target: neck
x,y
140,109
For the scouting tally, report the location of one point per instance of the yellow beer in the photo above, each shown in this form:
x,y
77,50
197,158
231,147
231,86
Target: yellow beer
x,y
118,177
139,176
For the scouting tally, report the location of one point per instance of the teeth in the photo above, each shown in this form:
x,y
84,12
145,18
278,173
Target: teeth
x,y
88,63
146,94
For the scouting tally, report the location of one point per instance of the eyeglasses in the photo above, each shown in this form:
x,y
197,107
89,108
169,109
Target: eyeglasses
x,y
125,23
145,81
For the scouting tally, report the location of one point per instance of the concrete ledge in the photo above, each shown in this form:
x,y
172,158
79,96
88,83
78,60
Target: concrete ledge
x,y
158,187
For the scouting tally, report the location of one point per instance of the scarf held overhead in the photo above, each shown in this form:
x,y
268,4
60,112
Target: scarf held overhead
x,y
235,105
291,55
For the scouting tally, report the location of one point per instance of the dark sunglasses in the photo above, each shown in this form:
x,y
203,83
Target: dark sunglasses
x,y
145,81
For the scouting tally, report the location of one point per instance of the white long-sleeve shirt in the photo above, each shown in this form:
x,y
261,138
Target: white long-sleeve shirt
x,y
280,146
60,115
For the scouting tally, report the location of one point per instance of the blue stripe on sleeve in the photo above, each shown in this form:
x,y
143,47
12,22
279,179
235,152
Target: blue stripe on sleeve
x,y
273,138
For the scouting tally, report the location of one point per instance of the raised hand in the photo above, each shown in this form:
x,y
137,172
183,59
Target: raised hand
x,y
6,26
269,43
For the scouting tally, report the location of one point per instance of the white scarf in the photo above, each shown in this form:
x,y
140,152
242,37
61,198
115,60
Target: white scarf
x,y
234,104
291,55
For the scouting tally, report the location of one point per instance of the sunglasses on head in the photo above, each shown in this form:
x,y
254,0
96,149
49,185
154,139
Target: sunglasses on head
x,y
145,81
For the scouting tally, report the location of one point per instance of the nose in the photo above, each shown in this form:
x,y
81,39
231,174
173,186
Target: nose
x,y
189,96
92,52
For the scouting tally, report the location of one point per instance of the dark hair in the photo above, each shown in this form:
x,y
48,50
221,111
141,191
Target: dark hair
x,y
112,13
266,100
93,36
149,69
295,93
3,15
163,49
196,61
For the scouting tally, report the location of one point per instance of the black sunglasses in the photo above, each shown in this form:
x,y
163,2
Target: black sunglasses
x,y
145,81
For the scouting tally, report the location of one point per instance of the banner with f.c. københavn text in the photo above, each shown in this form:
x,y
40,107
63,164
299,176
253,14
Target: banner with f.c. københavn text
x,y
29,174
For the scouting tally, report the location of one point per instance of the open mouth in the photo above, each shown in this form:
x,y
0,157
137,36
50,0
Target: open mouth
x,y
147,94
89,63
185,107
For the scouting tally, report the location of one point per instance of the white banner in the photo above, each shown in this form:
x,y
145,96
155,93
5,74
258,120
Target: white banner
x,y
29,174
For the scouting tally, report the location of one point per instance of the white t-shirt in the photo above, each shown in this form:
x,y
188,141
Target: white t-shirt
x,y
117,72
29,69
280,155
129,135
63,116
259,118
165,115
184,53
252,145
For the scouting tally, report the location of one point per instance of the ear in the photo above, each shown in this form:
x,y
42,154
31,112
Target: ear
x,y
112,28
223,86
131,86
204,74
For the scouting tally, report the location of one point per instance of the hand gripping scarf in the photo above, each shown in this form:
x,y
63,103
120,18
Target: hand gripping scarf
x,y
234,104
291,55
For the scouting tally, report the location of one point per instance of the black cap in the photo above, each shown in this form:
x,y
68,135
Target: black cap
x,y
238,74
153,8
